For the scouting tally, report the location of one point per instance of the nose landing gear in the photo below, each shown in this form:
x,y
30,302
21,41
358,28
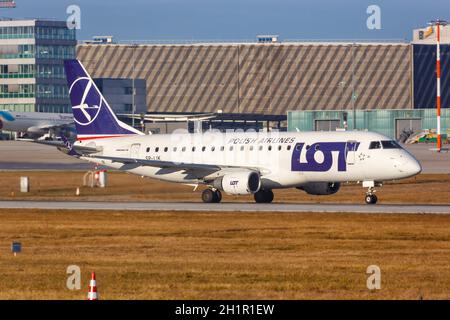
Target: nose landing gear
x,y
370,197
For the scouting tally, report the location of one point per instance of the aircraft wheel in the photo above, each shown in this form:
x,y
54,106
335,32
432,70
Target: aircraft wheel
x,y
217,196
208,196
371,199
263,196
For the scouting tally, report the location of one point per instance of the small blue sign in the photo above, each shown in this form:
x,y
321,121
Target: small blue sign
x,y
16,247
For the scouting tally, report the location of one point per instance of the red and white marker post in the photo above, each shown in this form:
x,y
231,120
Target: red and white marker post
x,y
438,24
92,294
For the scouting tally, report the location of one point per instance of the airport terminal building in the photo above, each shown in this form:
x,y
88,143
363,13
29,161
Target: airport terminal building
x,y
318,85
269,78
32,77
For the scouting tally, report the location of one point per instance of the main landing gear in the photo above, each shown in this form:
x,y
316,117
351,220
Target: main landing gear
x,y
263,196
211,196
370,197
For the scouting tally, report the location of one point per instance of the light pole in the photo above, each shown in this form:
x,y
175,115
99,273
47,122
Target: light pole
x,y
133,107
438,23
353,85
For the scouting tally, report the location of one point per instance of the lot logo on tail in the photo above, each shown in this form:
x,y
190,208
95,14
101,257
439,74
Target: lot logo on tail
x,y
86,110
326,149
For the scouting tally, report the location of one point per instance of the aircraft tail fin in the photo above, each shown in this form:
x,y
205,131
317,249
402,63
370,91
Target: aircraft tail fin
x,y
94,118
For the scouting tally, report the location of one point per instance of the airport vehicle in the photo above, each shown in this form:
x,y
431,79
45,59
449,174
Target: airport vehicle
x,y
424,136
237,163
35,124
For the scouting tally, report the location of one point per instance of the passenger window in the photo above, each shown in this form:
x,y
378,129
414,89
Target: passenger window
x,y
390,144
213,148
148,150
156,149
375,145
165,149
222,148
242,148
289,147
279,148
174,149
231,148
251,148
260,148
203,148
193,149
183,149
269,148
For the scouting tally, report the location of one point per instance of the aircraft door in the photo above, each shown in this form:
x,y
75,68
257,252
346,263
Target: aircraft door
x,y
350,151
134,150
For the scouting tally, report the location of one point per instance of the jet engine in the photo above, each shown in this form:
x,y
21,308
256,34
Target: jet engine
x,y
238,183
320,188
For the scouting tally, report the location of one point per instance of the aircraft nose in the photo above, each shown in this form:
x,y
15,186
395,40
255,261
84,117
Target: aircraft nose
x,y
412,167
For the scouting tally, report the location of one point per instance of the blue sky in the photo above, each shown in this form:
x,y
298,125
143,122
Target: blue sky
x,y
238,19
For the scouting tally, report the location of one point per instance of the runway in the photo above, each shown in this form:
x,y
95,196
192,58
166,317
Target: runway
x,y
227,207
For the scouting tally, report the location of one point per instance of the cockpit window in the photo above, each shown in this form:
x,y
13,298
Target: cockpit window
x,y
375,145
390,144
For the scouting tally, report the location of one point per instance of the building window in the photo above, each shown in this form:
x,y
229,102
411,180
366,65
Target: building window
x,y
128,107
128,90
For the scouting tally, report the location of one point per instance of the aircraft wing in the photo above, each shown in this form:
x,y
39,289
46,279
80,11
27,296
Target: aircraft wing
x,y
202,170
61,145
49,126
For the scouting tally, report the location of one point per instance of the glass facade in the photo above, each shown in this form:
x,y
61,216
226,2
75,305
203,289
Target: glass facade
x,y
55,33
34,70
54,52
19,107
47,91
17,32
383,121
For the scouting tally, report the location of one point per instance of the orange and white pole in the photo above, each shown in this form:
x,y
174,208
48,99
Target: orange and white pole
x,y
438,85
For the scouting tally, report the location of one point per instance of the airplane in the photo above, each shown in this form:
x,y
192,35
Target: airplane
x,y
35,124
237,163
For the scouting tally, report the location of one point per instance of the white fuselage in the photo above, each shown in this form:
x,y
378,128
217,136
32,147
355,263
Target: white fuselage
x,y
33,122
283,159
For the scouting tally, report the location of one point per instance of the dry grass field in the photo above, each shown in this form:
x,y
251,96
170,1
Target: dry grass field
x,y
187,255
155,255
422,189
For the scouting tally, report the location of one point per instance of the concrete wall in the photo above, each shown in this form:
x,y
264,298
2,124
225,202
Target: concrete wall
x,y
264,78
